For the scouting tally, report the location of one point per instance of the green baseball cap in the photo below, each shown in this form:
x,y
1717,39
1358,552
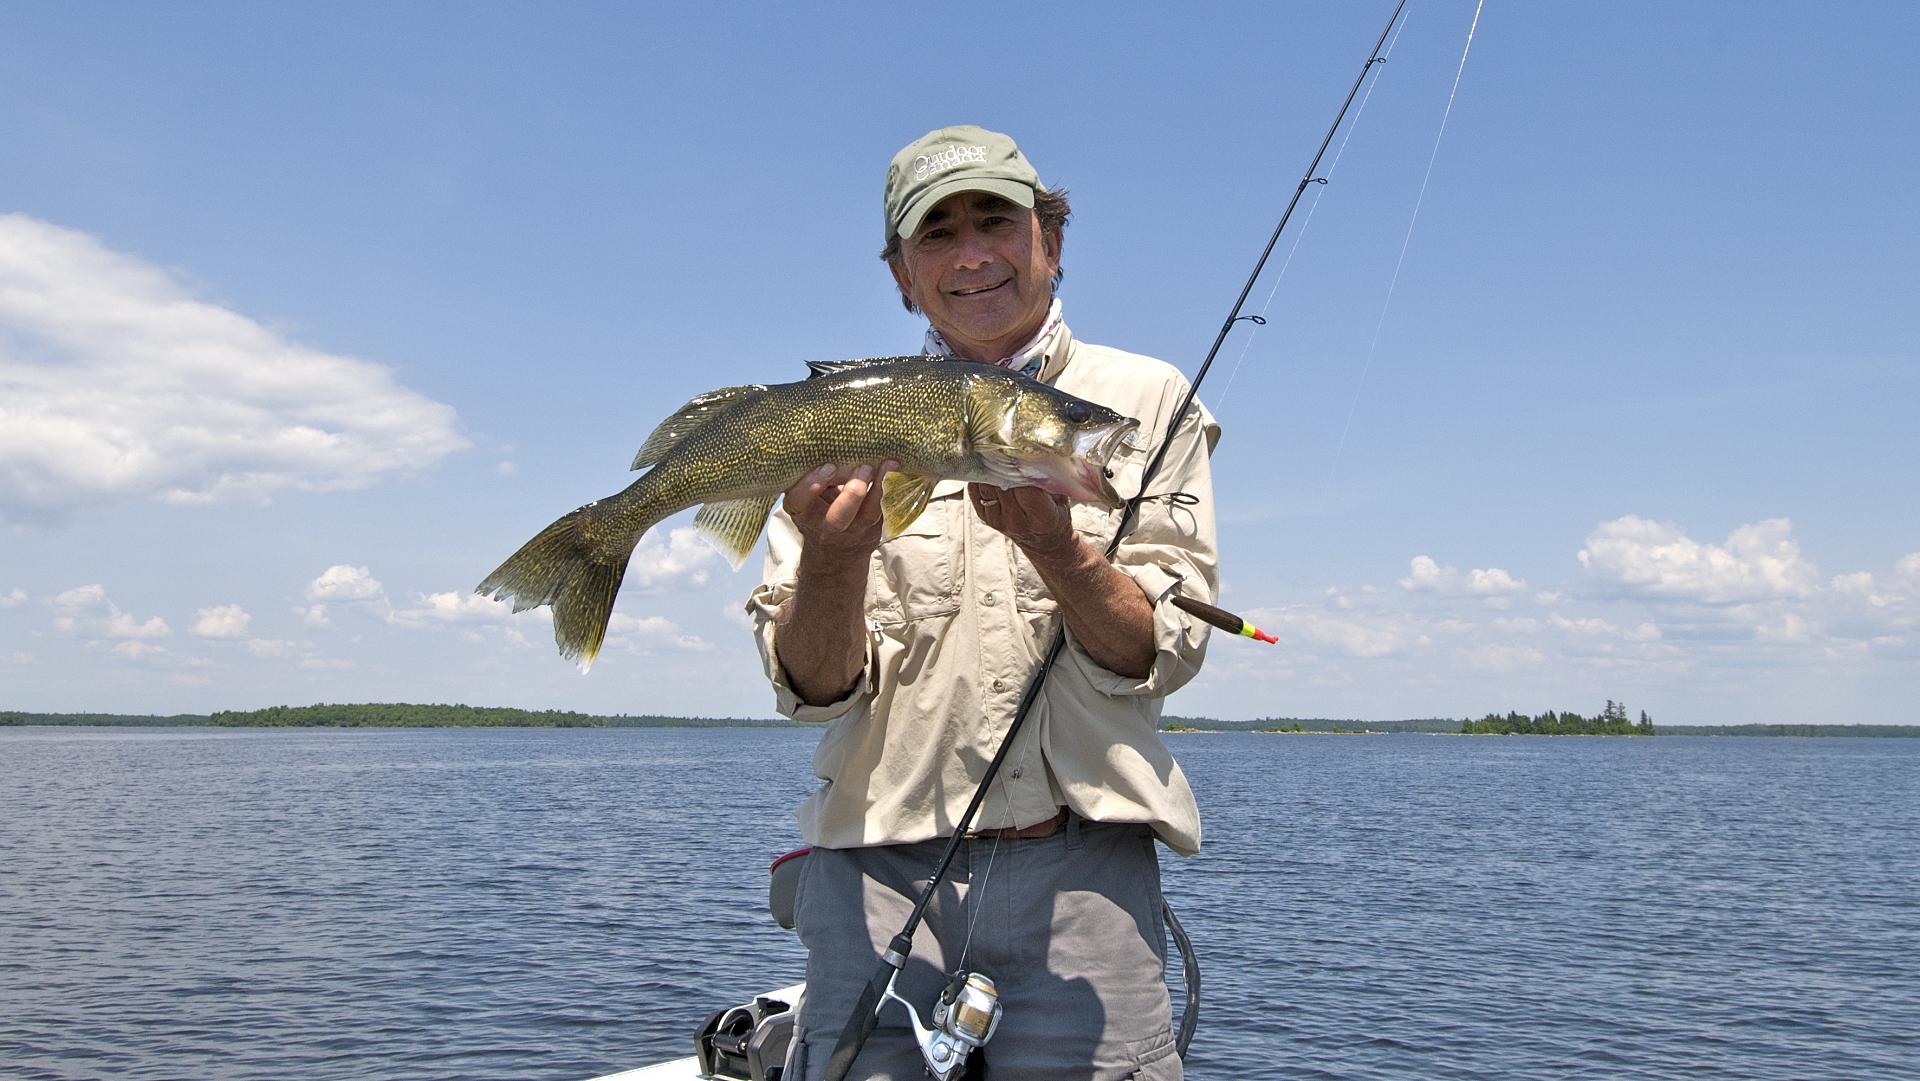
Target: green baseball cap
x,y
951,160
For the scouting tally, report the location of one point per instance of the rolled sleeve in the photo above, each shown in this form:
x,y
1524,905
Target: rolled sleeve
x,y
783,553
1170,551
1179,642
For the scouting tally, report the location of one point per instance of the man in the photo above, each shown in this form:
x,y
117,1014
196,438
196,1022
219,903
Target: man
x,y
916,651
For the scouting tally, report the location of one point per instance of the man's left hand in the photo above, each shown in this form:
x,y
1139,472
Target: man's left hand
x,y
1040,522
1110,617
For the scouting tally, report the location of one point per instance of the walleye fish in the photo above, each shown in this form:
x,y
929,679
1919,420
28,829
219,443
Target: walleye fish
x,y
737,449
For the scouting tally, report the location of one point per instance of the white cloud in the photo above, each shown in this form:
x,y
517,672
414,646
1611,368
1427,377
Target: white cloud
x,y
1376,636
13,599
1786,627
1493,580
1686,628
650,634
313,616
135,651
86,611
683,559
268,649
1427,576
1594,627
1655,559
223,621
80,598
121,625
452,607
737,615
341,582
1859,583
1908,569
115,381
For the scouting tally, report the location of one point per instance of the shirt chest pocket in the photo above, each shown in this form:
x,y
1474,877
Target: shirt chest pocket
x,y
918,573
1095,524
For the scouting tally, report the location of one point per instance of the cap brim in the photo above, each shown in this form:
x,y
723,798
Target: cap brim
x,y
1013,191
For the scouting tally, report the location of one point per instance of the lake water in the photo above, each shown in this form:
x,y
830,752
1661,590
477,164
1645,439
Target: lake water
x,y
194,903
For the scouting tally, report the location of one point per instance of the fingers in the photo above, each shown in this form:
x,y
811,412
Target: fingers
x,y
1034,519
836,499
1038,502
804,501
849,504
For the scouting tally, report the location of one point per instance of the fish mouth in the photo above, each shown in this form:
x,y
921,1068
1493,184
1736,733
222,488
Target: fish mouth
x,y
1081,475
1092,450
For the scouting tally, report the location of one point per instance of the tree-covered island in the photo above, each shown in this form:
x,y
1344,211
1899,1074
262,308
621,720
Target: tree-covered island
x,y
1611,721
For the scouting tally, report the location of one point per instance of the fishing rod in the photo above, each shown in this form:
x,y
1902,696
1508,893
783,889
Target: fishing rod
x,y
866,1010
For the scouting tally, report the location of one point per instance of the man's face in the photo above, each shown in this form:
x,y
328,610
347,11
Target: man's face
x,y
981,270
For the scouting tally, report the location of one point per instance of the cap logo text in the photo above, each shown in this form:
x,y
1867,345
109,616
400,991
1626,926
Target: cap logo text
x,y
927,164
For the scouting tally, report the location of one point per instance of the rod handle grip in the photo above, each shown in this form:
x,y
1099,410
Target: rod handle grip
x,y
866,1012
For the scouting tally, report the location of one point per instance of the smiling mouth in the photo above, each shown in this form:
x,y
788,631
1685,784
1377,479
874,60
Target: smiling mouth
x,y
977,290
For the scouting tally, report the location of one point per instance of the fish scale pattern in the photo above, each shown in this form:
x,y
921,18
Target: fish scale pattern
x,y
736,449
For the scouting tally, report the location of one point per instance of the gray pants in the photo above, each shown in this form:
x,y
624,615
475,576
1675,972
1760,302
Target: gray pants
x,y
1068,926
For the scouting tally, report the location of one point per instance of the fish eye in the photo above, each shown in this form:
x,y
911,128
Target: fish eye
x,y
1078,413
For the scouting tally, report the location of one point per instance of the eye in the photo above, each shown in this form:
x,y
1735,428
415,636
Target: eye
x,y
1078,413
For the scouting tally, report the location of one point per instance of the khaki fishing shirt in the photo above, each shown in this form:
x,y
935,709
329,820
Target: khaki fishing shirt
x,y
958,622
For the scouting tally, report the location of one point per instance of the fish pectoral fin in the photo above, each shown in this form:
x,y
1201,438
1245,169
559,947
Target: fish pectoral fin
x,y
817,368
734,525
902,497
686,418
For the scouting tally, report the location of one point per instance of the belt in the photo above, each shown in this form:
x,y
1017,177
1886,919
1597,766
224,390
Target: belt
x,y
1046,828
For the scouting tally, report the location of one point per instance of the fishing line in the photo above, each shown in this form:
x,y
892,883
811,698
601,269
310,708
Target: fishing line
x,y
976,895
1394,282
865,1015
1306,223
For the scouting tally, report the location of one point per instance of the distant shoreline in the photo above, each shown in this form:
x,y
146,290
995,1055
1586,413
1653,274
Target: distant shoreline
x,y
409,715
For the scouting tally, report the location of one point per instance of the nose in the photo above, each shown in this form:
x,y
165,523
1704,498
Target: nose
x,y
971,250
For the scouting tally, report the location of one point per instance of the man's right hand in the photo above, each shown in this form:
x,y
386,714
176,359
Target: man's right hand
x,y
820,632
837,511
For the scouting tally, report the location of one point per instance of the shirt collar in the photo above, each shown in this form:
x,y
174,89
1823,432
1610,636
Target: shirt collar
x,y
1029,358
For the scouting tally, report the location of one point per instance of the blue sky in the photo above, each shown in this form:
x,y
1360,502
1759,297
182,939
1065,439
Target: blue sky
x,y
309,316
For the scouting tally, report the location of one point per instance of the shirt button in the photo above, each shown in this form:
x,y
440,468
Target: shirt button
x,y
987,600
999,684
1016,772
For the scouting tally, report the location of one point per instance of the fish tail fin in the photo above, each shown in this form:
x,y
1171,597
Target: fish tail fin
x,y
562,566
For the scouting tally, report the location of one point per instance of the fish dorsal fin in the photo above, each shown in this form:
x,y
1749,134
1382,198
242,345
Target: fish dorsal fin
x,y
685,419
734,525
817,368
903,496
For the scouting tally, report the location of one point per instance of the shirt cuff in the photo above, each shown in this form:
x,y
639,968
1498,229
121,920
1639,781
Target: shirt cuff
x,y
793,707
1178,641
762,606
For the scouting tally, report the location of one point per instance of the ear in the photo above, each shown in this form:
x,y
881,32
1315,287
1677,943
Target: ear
x,y
898,267
1051,242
